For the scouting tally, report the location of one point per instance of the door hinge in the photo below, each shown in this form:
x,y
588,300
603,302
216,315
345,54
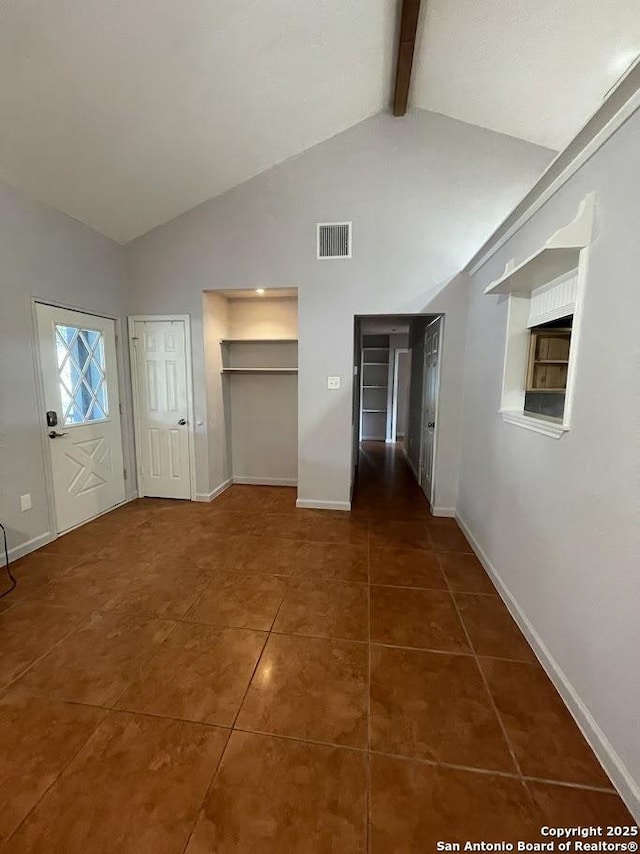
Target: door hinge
x,y
125,473
120,408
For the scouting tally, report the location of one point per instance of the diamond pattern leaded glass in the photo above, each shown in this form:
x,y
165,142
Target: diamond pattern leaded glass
x,y
81,374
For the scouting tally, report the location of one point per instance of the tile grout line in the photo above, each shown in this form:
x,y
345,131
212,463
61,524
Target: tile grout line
x,y
259,659
8,685
471,769
206,792
487,688
59,775
232,728
434,589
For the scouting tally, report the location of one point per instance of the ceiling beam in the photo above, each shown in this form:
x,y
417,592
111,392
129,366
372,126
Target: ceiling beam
x,y
408,28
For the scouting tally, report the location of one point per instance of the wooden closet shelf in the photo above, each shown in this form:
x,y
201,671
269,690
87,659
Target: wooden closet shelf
x,y
259,371
258,340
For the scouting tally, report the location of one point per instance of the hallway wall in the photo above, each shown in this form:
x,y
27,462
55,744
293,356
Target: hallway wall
x,y
46,254
403,394
422,192
557,520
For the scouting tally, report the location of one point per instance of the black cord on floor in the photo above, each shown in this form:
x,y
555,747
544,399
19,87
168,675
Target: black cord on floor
x,y
14,583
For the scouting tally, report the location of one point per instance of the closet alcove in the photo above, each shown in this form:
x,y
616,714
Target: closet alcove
x,y
252,382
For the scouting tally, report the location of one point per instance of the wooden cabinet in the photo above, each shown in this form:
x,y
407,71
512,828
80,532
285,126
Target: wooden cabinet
x,y
548,364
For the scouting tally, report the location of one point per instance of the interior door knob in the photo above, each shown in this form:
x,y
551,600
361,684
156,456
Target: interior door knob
x,y
54,435
182,422
431,424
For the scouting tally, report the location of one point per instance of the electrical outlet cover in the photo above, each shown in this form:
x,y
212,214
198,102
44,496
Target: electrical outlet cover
x,y
333,383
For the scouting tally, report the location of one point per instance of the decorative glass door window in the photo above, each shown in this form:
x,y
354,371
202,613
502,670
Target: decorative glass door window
x,y
81,374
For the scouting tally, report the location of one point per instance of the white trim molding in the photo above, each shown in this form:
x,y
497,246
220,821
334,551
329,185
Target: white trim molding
x,y
621,103
559,255
558,270
536,423
447,512
613,765
316,504
27,547
209,496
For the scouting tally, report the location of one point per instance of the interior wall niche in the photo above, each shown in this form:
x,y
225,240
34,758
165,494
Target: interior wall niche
x,y
545,294
252,380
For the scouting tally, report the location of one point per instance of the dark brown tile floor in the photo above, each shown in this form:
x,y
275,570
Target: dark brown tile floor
x,y
247,677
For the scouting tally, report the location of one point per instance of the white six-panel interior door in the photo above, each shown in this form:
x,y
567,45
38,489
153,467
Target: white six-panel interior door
x,y
81,421
159,367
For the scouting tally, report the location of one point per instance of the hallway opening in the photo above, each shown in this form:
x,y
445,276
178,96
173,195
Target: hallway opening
x,y
396,391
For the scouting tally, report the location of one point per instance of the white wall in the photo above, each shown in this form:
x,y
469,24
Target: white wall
x,y
402,404
215,309
423,192
558,520
264,428
44,254
263,318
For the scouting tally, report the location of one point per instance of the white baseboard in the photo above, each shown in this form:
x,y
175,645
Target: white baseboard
x,y
449,512
265,481
25,548
209,496
314,504
614,766
48,537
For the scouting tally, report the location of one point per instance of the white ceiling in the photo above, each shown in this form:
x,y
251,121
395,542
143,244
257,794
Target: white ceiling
x,y
125,113
269,293
536,69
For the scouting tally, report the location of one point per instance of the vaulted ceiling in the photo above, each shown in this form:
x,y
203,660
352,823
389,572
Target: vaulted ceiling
x,y
128,112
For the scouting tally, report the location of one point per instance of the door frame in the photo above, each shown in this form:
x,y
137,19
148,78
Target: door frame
x,y
191,432
394,403
34,301
439,320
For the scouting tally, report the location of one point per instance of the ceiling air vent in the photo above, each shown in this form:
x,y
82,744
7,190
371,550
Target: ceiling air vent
x,y
334,240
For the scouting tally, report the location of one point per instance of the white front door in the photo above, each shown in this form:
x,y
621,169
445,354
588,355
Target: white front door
x,y
429,407
82,419
159,366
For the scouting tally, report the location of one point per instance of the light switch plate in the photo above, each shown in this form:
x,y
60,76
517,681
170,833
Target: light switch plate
x,y
333,383
25,502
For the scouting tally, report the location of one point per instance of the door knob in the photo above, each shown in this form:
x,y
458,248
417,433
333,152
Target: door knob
x,y
431,424
182,422
54,435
